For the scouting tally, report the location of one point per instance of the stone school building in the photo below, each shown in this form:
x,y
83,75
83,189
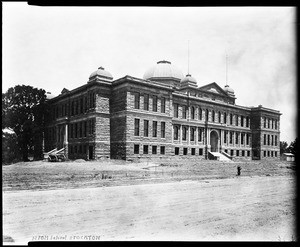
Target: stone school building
x,y
163,115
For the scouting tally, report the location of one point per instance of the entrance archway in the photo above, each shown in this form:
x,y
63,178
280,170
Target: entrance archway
x,y
214,139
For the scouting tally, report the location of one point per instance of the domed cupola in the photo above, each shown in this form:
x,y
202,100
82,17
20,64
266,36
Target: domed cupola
x,y
100,75
49,96
164,72
229,90
188,81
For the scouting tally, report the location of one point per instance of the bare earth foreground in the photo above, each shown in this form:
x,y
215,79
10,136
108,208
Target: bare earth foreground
x,y
163,206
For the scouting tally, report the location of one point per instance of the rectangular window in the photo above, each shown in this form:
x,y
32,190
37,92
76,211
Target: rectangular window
x,y
184,110
146,102
185,151
268,125
265,122
268,153
136,101
247,139
71,149
154,149
268,139
176,130
243,153
154,129
236,138
75,149
275,154
136,148
146,128
85,129
237,152
230,118
225,136
162,150
193,152
200,151
163,129
199,134
184,132
136,127
176,110
192,134
76,130
231,152
154,103
247,122
200,114
176,150
242,121
265,139
230,137
275,140
163,105
225,117
72,108
81,105
242,138
145,149
236,120
272,140
275,124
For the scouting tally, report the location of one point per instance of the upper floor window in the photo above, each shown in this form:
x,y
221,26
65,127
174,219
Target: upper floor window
x,y
206,115
176,110
230,119
192,112
225,117
265,122
242,121
146,128
136,101
163,129
154,129
146,102
192,134
184,111
213,116
219,117
236,120
184,133
163,105
247,122
154,103
176,131
200,114
136,127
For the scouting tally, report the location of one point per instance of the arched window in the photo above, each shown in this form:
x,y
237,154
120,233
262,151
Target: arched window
x,y
200,114
176,130
192,112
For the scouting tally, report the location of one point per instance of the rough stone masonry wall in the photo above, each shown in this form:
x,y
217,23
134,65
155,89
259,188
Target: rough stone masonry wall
x,y
102,127
118,124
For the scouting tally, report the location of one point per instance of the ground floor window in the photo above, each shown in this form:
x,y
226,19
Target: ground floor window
x,y
185,151
271,153
145,149
265,153
231,152
177,151
243,153
200,151
268,153
136,149
162,150
154,149
275,154
226,151
193,151
237,152
248,153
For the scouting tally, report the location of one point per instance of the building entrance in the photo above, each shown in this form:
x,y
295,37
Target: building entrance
x,y
214,141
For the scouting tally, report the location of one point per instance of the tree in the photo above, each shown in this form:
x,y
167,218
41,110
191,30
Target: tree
x,y
283,147
22,111
293,147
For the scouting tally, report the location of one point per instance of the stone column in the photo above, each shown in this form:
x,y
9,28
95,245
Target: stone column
x,y
188,135
180,138
196,135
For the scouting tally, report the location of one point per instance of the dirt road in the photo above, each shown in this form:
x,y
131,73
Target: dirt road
x,y
241,208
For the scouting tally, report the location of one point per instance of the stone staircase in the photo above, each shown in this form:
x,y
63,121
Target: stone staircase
x,y
219,156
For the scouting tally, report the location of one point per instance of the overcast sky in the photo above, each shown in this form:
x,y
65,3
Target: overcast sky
x,y
57,47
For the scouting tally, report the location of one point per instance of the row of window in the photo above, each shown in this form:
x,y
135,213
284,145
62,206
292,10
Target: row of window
x,y
215,116
81,129
147,151
185,151
270,140
77,106
146,102
146,128
239,137
78,149
244,153
270,154
270,123
192,133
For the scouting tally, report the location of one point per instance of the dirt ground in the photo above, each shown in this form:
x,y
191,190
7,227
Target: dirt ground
x,y
148,201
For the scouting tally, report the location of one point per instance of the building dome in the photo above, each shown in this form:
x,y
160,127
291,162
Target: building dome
x,y
228,89
188,81
163,70
102,73
50,95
